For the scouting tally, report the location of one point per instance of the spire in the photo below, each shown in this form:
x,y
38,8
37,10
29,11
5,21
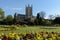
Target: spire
x,y
28,5
31,5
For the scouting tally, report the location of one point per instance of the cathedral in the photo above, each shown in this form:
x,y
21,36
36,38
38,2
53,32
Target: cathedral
x,y
28,15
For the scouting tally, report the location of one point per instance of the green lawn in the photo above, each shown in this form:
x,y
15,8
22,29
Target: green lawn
x,y
34,28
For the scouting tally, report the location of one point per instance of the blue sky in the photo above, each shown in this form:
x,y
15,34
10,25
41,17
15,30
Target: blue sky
x,y
51,7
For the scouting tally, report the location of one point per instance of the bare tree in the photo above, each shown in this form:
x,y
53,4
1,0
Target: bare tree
x,y
51,17
42,14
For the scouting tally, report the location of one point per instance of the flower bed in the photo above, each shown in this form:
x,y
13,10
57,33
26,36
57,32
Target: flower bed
x,y
8,28
31,36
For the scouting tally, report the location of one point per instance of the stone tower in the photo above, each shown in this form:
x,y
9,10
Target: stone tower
x,y
28,11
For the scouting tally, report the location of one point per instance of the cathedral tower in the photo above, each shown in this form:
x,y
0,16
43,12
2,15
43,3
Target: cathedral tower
x,y
28,11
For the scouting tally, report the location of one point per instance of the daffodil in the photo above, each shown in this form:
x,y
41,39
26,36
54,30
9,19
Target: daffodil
x,y
24,33
50,39
39,37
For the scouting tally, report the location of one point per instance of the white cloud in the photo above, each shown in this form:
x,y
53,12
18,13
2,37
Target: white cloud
x,y
17,9
13,9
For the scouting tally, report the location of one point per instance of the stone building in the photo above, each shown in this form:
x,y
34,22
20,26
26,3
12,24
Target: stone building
x,y
28,15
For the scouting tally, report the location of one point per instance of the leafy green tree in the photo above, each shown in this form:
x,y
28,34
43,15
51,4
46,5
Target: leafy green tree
x,y
56,20
2,15
51,17
40,18
9,18
38,15
15,20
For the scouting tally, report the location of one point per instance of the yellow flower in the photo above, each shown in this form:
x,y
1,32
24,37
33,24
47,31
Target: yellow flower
x,y
28,39
17,36
39,38
16,27
52,35
11,35
0,35
24,33
37,33
55,35
50,39
7,36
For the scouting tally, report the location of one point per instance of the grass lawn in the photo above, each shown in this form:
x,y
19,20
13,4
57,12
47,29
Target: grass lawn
x,y
34,29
